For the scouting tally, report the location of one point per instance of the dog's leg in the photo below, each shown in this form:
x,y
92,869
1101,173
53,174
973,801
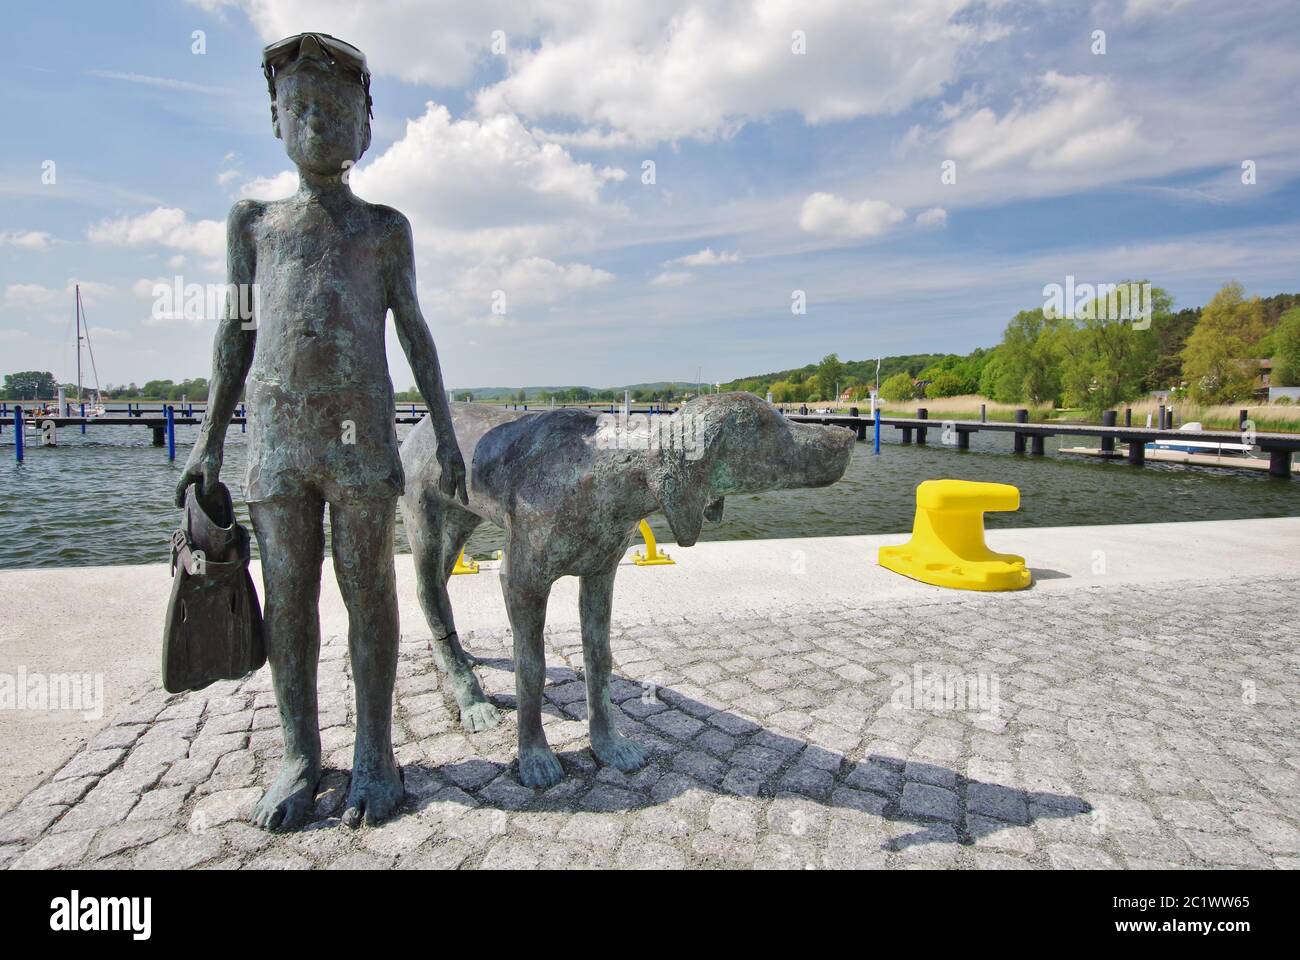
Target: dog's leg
x,y
437,532
595,605
526,598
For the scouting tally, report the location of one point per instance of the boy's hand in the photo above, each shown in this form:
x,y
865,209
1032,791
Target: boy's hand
x,y
203,467
452,473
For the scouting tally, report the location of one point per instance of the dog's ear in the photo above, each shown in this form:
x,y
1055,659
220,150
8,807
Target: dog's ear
x,y
713,512
683,497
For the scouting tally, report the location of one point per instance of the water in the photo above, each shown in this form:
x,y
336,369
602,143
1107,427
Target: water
x,y
106,497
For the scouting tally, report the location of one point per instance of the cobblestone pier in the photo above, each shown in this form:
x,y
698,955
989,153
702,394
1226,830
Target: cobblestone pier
x,y
1109,726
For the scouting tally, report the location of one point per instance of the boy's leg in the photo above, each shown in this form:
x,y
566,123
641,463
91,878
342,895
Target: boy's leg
x,y
291,538
362,543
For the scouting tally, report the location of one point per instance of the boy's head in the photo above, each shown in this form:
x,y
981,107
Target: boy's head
x,y
320,100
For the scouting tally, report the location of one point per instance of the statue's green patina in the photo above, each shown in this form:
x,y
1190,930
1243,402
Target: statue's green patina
x,y
326,267
569,488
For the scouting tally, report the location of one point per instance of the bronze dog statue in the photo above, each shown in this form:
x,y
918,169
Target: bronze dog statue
x,y
569,488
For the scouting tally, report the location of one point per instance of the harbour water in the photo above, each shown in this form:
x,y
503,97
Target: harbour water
x,y
106,497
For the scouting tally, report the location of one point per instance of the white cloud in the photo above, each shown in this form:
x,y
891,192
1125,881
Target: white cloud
x,y
671,278
521,284
703,68
828,215
1139,9
1071,122
107,333
934,217
674,69
25,239
283,184
436,42
166,227
29,295
706,258
226,176
486,186
166,83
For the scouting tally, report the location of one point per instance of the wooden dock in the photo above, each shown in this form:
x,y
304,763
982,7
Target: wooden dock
x,y
1179,456
1279,446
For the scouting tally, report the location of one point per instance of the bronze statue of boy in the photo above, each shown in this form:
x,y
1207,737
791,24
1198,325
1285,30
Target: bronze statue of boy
x,y
328,267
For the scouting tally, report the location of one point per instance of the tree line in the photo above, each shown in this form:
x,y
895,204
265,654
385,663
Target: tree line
x,y
1090,360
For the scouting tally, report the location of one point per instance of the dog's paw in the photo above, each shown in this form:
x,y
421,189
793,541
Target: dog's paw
x,y
620,753
478,717
539,768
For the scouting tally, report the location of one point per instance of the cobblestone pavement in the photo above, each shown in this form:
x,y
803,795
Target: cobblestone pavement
x,y
1111,727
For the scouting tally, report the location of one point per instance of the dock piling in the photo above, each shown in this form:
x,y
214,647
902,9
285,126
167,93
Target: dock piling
x,y
1018,446
1279,463
875,410
18,432
1108,419
171,432
922,414
83,418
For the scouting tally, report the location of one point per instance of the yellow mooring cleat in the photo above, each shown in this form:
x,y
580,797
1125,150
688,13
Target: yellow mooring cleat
x,y
947,547
464,566
653,556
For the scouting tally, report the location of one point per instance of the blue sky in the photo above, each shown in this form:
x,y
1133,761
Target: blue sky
x,y
521,169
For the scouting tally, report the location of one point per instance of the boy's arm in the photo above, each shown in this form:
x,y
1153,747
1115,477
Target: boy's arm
x,y
232,355
417,342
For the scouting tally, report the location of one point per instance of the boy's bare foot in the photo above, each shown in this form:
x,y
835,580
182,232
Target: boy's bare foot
x,y
290,797
374,794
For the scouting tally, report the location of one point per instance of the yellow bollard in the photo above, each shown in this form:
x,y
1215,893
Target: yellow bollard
x,y
464,567
947,547
653,556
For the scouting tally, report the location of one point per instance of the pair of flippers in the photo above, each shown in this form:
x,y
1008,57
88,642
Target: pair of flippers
x,y
214,621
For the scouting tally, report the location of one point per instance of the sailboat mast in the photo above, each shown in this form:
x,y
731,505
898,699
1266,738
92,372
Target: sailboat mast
x,y
78,343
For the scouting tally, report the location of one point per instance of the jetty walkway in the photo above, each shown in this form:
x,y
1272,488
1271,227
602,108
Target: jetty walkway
x,y
1138,707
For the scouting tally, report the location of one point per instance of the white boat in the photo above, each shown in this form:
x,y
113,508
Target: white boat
x,y
95,407
1206,447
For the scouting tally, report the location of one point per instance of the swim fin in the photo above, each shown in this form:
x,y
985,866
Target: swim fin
x,y
214,622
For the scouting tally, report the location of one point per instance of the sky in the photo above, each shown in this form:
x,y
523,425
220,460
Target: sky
x,y
606,193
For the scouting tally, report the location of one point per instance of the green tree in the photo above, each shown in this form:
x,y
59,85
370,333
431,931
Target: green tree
x,y
898,388
1030,355
1216,357
31,385
1104,362
1286,345
830,372
946,384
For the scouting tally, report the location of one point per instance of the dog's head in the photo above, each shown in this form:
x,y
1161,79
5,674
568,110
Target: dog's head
x,y
727,443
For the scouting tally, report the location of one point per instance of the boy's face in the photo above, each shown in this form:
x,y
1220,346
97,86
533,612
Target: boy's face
x,y
322,117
